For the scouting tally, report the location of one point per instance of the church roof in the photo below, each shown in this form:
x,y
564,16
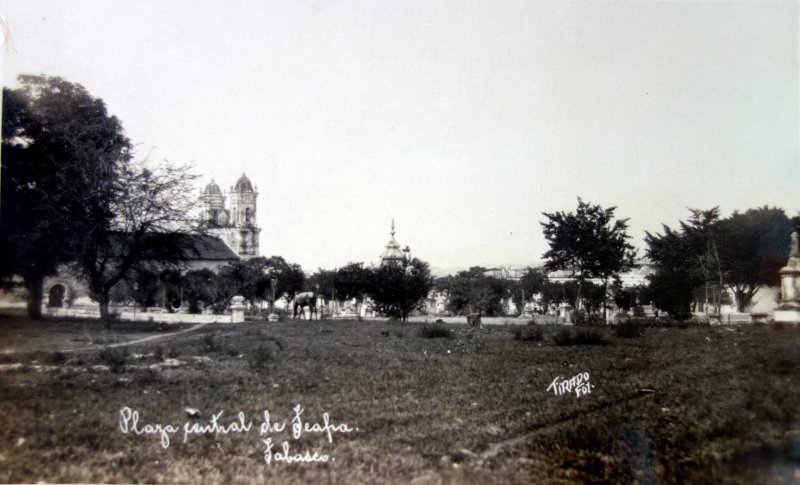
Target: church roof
x,y
163,247
243,184
207,247
212,189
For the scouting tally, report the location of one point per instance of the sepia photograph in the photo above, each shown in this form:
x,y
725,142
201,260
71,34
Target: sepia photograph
x,y
400,241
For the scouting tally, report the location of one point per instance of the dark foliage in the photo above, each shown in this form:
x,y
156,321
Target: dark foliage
x,y
589,242
434,330
61,152
567,337
115,358
631,328
211,343
528,334
474,291
260,357
399,288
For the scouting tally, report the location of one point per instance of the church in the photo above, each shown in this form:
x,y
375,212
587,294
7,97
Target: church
x,y
232,234
235,224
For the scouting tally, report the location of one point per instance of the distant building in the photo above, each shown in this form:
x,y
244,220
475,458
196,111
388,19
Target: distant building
x,y
506,273
635,276
236,224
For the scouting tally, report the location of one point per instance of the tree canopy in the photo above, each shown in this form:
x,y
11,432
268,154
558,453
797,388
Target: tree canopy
x,y
590,243
707,254
474,291
61,155
72,194
399,287
753,250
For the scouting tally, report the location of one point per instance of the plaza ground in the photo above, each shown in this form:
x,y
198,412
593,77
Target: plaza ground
x,y
700,404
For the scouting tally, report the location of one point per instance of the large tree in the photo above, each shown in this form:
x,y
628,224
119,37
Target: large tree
x,y
399,287
590,243
707,254
290,278
531,283
475,291
323,283
145,221
253,278
753,249
703,236
353,281
675,279
61,155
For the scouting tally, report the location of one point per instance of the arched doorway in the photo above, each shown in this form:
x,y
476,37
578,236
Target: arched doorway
x,y
55,297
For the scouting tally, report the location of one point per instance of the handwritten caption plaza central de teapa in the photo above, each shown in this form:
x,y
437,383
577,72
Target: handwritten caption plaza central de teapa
x,y
130,422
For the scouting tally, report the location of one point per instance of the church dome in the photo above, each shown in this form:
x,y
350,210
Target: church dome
x,y
243,184
212,189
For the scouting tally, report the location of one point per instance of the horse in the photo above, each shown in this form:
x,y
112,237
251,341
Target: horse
x,y
302,300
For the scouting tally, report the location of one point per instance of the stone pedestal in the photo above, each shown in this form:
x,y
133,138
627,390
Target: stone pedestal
x,y
788,310
237,309
565,312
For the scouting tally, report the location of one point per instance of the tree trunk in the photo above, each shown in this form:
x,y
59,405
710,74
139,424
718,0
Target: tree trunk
x,y
35,287
605,302
105,315
743,294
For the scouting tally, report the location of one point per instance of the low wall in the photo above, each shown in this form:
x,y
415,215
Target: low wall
x,y
139,316
540,320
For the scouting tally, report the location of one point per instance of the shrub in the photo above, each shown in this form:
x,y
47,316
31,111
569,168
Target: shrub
x,y
211,343
590,337
115,358
528,334
588,320
260,357
563,337
173,352
566,337
668,322
434,330
632,328
158,353
147,377
278,342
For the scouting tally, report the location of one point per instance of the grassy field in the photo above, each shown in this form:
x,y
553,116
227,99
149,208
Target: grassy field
x,y
698,404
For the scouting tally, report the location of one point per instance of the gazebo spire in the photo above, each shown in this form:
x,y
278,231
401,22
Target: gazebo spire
x,y
393,251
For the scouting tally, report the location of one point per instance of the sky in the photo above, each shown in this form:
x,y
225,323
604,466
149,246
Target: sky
x,y
462,120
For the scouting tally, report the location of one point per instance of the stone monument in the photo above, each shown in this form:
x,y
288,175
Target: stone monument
x,y
788,310
237,309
